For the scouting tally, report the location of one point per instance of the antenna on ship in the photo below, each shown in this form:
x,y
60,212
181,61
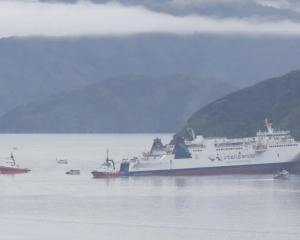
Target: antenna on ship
x,y
109,161
12,158
107,151
268,126
191,133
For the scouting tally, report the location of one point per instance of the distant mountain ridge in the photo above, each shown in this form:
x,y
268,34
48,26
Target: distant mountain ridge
x,y
242,113
125,104
34,68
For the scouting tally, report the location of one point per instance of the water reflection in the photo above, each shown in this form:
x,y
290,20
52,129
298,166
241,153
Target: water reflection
x,y
181,182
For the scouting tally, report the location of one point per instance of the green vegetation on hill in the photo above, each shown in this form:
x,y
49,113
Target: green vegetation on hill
x,y
243,112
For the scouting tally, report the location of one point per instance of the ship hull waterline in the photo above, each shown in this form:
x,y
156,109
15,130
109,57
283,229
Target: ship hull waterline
x,y
12,170
269,168
98,174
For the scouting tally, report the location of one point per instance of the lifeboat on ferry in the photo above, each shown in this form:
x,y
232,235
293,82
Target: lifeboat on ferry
x,y
9,167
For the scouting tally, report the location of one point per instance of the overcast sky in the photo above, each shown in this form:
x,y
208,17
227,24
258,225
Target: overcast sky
x,y
32,18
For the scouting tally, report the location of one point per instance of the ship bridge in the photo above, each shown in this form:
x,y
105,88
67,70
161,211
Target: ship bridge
x,y
273,133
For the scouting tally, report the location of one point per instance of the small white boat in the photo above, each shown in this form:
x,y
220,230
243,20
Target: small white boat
x,y
73,172
62,161
283,174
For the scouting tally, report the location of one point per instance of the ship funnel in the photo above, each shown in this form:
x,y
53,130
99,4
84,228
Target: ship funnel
x,y
124,167
180,149
157,146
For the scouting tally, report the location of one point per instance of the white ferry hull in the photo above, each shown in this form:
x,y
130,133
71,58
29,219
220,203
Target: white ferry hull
x,y
209,163
267,168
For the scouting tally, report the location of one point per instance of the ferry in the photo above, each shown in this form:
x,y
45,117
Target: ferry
x,y
268,151
10,167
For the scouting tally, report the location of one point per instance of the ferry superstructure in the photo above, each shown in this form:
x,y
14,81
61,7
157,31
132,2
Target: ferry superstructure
x,y
267,152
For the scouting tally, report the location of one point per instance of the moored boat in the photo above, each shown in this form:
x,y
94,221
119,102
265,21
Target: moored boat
x,y
73,172
283,174
10,167
62,161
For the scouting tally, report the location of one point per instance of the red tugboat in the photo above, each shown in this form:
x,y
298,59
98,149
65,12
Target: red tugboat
x,y
106,170
10,167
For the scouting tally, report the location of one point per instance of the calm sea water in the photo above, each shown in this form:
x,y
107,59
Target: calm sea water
x,y
47,204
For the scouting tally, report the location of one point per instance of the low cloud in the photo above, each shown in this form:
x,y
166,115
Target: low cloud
x,y
206,2
281,4
32,18
278,4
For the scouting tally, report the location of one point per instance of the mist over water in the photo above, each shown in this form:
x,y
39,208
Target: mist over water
x,y
48,204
